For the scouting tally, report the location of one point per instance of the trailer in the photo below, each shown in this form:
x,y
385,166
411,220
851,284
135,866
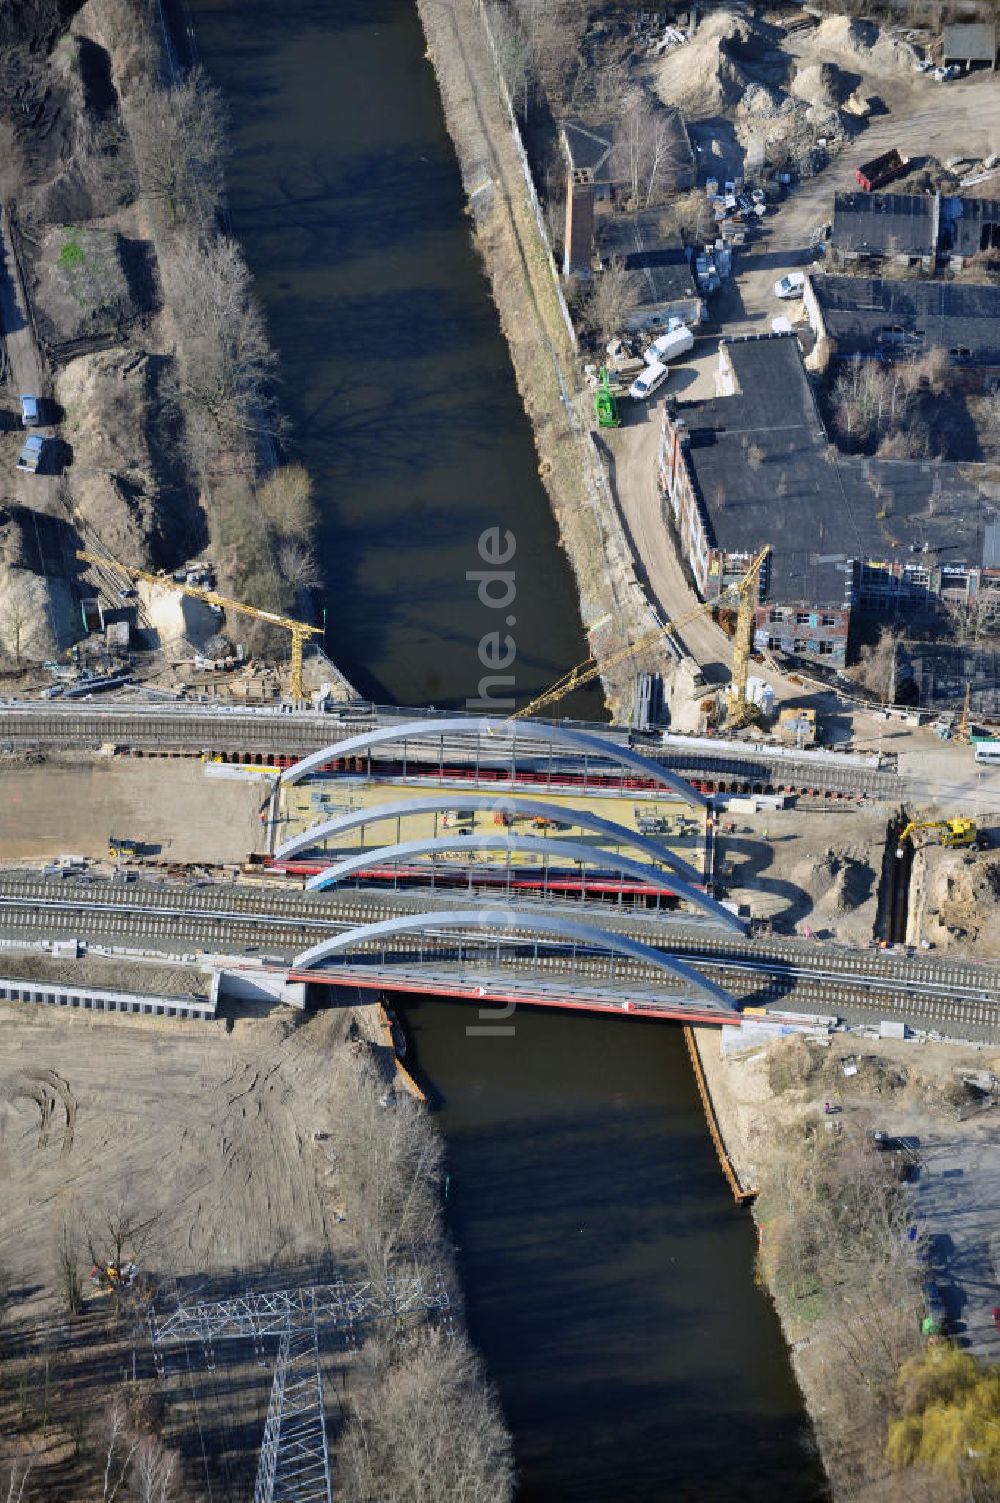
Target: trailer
x,y
881,170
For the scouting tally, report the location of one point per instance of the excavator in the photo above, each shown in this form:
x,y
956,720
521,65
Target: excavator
x,y
107,1277
958,831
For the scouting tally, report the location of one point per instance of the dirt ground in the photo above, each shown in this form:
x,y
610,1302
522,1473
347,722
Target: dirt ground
x,y
955,900
807,870
206,1130
171,807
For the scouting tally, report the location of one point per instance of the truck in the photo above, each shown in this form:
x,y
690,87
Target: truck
x,y
881,170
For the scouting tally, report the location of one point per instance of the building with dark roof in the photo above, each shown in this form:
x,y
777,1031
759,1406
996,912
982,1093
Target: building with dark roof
x,y
595,169
893,227
886,318
968,227
588,150
970,44
752,466
667,288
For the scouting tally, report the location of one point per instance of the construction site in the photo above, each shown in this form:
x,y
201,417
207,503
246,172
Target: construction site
x,y
224,1258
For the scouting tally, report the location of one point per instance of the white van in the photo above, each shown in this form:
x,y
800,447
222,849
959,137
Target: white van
x,y
988,751
651,380
675,342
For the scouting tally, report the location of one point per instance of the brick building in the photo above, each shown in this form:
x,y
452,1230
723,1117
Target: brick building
x,y
753,466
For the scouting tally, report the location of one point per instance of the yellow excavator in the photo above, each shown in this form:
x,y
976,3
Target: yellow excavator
x,y
958,831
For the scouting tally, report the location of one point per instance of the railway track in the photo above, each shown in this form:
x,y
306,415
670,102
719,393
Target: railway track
x,y
266,733
949,995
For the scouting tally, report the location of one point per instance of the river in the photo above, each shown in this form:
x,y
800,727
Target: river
x,y
608,1276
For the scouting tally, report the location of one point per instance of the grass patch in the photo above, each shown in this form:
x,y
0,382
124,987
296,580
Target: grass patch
x,y
72,257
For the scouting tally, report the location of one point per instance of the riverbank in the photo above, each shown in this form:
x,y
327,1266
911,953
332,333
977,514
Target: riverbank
x,y
847,1339
524,291
149,354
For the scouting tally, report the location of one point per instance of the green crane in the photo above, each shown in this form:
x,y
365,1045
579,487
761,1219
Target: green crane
x,y
605,405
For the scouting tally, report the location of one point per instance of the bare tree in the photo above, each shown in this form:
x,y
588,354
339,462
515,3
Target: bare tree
x,y
425,1424
68,1276
875,669
179,138
153,1472
226,359
646,150
511,53
17,1480
297,565
614,295
286,499
119,1445
870,399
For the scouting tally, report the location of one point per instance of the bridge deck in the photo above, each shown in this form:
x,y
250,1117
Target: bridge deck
x,y
302,805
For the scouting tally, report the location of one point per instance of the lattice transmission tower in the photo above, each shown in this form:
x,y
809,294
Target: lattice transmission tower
x,y
294,1463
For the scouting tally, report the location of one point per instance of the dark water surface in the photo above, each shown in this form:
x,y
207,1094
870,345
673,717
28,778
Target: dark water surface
x,y
345,192
609,1278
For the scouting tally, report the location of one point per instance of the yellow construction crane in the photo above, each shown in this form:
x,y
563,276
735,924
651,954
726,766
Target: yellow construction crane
x,y
740,709
299,631
585,673
958,831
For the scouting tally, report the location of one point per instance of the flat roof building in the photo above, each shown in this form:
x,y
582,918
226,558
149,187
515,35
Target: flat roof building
x,y
899,227
753,466
880,316
970,44
667,288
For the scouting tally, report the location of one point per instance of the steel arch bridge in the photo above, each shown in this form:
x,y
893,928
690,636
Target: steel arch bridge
x,y
495,733
482,953
652,877
451,740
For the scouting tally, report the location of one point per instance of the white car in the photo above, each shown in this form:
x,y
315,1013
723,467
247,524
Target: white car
x,y
652,377
790,285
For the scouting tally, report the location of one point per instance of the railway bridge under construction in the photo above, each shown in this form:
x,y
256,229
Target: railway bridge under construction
x,y
543,865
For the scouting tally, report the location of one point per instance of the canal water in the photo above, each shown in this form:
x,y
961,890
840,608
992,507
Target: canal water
x,y
608,1276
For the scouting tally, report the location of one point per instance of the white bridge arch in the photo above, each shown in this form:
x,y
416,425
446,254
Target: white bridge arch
x,y
515,926
498,731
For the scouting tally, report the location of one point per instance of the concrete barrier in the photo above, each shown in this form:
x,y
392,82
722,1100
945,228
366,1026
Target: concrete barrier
x,y
99,999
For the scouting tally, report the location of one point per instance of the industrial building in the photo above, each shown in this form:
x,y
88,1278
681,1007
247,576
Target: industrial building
x,y
883,318
753,466
898,228
970,44
916,231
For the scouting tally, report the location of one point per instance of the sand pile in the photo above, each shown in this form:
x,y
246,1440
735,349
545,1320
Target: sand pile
x,y
821,85
842,882
704,78
869,48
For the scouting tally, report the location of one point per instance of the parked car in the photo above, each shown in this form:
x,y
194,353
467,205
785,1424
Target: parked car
x,y
31,415
651,380
31,456
942,75
790,285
